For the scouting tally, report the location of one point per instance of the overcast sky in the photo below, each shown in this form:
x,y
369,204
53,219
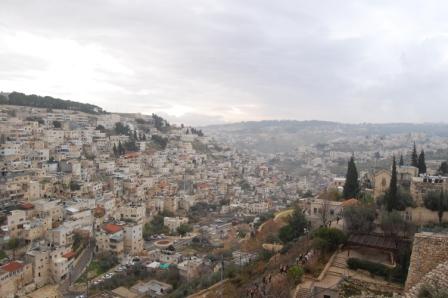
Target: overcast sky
x,y
210,61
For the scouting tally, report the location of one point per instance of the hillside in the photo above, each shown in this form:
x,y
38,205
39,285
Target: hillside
x,y
21,99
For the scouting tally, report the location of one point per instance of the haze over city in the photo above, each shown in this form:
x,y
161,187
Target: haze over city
x,y
212,148
207,62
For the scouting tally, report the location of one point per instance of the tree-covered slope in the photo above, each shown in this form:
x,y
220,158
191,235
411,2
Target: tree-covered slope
x,y
20,99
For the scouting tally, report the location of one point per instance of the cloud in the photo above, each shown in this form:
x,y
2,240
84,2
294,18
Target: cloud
x,y
208,61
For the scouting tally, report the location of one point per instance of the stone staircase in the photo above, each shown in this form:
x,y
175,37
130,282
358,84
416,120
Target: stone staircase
x,y
303,293
304,289
339,266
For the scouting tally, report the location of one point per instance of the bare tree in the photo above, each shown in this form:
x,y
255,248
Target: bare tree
x,y
324,213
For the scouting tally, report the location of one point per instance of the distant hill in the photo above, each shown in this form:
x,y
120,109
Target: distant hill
x,y
48,102
296,125
274,136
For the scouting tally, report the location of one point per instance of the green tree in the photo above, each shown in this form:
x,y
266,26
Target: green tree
x,y
328,239
159,122
130,146
57,124
20,99
437,201
155,226
100,128
161,141
77,241
2,254
443,169
122,129
401,162
392,193
120,148
114,149
13,244
241,233
295,228
359,218
392,223
421,163
286,234
107,261
351,186
74,186
183,229
414,157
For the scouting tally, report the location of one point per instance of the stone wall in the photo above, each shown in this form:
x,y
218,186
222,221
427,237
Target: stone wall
x,y
422,216
437,279
428,251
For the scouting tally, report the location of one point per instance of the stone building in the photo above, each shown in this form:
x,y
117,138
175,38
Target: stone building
x,y
13,277
381,182
133,238
110,239
405,174
174,222
421,186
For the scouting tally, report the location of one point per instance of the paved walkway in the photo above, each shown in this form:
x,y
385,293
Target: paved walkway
x,y
339,269
283,214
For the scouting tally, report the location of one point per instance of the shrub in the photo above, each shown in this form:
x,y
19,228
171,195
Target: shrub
x,y
295,273
266,255
372,267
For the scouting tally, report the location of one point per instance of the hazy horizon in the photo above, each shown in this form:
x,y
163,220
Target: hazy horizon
x,y
171,118
213,62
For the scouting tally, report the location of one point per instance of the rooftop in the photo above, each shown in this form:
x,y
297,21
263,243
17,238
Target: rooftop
x,y
349,202
12,266
112,228
69,255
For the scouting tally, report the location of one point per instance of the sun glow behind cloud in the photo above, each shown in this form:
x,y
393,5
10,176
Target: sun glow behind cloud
x,y
66,67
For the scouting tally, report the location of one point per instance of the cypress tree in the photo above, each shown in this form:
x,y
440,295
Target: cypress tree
x,y
421,163
115,150
392,193
351,186
401,162
443,169
120,148
414,157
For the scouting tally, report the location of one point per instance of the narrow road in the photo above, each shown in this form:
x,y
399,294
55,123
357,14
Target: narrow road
x,y
77,270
